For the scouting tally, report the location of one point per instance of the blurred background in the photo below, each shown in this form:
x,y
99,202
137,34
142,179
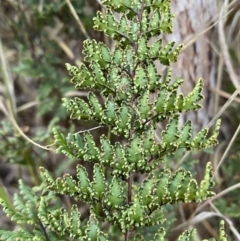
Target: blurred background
x,y
37,38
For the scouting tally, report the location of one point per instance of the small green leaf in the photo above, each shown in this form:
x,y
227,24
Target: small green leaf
x,y
161,104
213,139
155,218
138,237
109,116
192,99
105,53
98,75
144,105
165,52
155,48
119,162
199,139
161,188
185,134
137,213
140,80
123,122
207,183
92,229
78,108
124,89
171,133
156,18
175,183
149,145
79,140
134,150
91,151
123,25
192,194
107,150
223,235
146,188
96,107
118,57
84,183
159,236
171,101
154,78
98,182
114,197
142,49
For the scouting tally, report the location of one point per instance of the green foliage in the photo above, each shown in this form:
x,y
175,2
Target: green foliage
x,y
25,211
38,47
10,143
229,205
15,149
125,77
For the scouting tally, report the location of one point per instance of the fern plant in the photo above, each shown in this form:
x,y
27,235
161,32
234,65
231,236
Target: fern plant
x,y
125,78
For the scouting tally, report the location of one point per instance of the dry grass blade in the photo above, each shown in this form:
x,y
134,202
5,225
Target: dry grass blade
x,y
19,130
28,105
91,129
76,93
9,109
193,218
224,47
3,108
234,26
206,215
229,222
220,194
227,150
219,82
53,34
198,219
79,22
40,5
7,81
224,94
215,22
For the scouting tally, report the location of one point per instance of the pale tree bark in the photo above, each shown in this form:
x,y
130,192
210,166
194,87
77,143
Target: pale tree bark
x,y
197,60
